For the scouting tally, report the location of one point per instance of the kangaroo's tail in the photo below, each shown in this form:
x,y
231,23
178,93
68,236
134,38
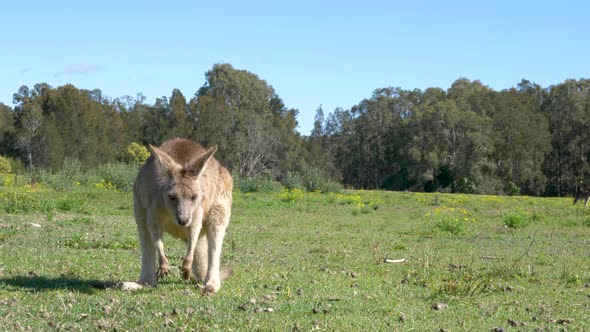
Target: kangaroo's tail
x,y
224,274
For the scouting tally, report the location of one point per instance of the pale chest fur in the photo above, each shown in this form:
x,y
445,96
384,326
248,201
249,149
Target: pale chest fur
x,y
166,221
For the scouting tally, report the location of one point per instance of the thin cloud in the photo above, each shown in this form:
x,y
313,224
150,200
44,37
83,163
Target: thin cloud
x,y
78,69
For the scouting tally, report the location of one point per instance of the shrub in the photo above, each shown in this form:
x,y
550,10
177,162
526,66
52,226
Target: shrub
x,y
537,215
512,189
450,220
293,180
464,185
71,175
65,179
5,166
136,154
17,166
119,175
290,196
490,186
71,203
516,219
450,224
24,200
316,180
14,179
250,185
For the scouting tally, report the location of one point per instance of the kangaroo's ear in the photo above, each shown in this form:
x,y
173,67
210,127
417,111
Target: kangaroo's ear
x,y
163,161
196,167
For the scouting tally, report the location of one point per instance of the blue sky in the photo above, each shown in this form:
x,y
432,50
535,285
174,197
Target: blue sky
x,y
333,53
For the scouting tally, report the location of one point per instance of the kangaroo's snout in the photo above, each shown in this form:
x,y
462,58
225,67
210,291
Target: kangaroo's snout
x,y
182,221
183,218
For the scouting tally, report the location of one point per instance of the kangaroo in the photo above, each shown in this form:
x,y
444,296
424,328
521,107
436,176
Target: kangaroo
x,y
182,190
582,194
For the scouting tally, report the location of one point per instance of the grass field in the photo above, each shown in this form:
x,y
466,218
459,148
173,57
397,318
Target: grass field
x,y
304,262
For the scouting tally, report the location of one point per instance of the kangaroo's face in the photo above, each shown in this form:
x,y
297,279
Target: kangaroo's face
x,y
184,199
182,194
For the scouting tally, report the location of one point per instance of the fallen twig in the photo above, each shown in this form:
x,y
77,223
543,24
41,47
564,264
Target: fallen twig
x,y
387,260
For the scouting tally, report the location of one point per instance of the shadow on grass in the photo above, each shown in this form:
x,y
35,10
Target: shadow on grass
x,y
40,284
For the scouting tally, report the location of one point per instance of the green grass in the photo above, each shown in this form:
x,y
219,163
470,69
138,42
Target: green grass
x,y
316,260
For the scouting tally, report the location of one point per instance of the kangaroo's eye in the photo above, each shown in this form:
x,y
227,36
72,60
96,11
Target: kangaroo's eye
x,y
172,197
193,198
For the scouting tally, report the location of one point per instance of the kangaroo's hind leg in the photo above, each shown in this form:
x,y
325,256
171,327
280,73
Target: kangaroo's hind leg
x,y
216,226
201,260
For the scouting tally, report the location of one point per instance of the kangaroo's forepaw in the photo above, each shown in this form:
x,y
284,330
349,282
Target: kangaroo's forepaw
x,y
186,272
163,271
185,269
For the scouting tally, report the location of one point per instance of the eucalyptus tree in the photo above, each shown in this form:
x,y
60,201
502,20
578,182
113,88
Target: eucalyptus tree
x,y
243,115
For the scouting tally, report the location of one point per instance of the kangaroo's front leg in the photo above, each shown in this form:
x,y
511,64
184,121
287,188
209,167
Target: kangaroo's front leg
x,y
163,264
191,242
157,234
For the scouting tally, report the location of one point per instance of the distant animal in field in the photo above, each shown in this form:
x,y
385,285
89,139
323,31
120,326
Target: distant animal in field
x,y
582,194
185,192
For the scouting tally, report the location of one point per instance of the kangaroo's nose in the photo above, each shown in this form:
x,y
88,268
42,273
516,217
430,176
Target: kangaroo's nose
x,y
183,221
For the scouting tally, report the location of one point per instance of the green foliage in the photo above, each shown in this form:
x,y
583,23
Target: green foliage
x,y
17,166
313,179
136,154
538,215
243,115
5,166
292,181
117,175
15,179
251,185
316,180
450,220
464,185
51,151
72,203
70,176
358,202
291,195
566,108
6,125
468,138
516,219
512,189
54,123
120,175
449,225
24,200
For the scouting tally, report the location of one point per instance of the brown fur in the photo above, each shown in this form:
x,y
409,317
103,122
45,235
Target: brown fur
x,y
182,190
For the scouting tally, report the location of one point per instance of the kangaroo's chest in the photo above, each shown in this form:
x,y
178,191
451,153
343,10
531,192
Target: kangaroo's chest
x,y
171,227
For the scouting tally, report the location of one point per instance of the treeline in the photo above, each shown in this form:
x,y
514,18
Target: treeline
x,y
468,138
